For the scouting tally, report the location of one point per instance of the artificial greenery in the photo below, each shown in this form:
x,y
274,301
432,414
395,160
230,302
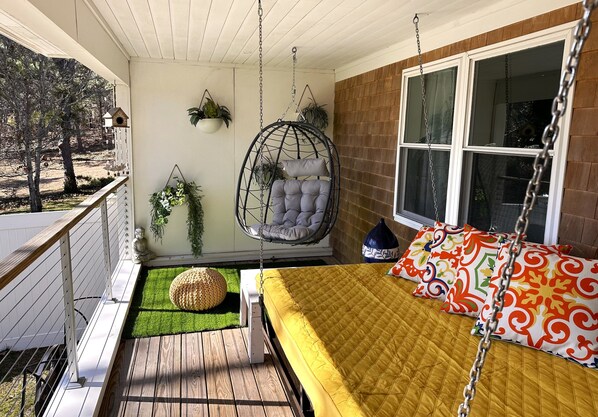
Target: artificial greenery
x,y
267,172
209,110
153,314
162,203
315,115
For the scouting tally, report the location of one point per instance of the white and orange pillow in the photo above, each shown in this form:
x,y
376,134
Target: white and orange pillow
x,y
469,291
551,304
476,266
412,264
441,268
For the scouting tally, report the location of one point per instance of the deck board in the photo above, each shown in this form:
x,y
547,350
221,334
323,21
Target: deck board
x,y
203,374
167,388
146,404
247,395
194,393
131,407
220,391
270,386
124,373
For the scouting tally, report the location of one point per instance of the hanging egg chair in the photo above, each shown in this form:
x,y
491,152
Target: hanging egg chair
x,y
289,185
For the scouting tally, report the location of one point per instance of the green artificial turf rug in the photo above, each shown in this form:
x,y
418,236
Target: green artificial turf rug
x,y
153,314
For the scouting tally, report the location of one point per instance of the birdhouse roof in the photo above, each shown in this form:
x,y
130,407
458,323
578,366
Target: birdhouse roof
x,y
115,111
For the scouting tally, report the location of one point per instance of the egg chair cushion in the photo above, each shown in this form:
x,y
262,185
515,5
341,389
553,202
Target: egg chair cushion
x,y
306,167
298,208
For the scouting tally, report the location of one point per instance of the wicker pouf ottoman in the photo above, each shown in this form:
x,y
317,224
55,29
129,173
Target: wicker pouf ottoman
x,y
198,289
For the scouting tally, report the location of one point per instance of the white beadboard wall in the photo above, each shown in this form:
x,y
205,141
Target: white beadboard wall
x,y
161,93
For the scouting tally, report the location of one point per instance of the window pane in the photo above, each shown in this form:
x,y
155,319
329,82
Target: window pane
x,y
440,103
513,95
417,200
498,184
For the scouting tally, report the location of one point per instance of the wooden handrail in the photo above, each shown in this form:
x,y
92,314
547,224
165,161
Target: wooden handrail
x,y
21,258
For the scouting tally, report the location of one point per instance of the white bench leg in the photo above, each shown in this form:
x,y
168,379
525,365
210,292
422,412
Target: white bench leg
x,y
251,314
243,308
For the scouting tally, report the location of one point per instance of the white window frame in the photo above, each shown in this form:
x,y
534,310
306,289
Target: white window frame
x,y
465,64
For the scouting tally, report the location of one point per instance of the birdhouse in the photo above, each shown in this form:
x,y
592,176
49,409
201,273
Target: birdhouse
x,y
116,117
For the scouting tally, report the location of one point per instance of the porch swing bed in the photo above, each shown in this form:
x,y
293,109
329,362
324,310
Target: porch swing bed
x,y
359,344
362,345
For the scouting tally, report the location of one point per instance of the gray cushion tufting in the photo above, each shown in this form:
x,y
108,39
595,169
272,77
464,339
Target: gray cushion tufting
x,y
298,209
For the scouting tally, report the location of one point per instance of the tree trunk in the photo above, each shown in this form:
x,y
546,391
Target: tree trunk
x,y
70,180
35,198
102,129
79,136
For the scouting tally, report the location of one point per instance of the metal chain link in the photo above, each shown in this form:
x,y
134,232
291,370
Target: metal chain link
x,y
260,13
293,87
426,123
559,105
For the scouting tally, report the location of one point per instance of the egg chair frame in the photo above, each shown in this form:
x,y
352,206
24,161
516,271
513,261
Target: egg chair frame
x,y
279,142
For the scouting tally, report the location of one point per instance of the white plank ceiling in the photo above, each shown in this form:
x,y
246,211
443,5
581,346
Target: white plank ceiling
x,y
328,33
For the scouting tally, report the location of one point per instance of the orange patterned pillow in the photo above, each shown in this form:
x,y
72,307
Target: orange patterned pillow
x,y
551,304
469,291
441,268
413,262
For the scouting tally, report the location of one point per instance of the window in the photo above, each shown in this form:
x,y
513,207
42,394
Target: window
x,y
486,112
416,202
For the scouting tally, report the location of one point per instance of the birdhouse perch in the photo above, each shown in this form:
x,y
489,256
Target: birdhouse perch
x,y
116,117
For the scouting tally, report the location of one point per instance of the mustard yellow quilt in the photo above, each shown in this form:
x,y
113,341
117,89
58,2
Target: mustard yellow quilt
x,y
362,345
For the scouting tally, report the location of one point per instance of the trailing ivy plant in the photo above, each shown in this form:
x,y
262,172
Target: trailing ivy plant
x,y
266,173
316,115
162,203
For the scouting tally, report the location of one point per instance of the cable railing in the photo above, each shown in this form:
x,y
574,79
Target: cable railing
x,y
49,290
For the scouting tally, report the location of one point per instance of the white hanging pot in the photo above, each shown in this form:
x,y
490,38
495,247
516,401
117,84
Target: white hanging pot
x,y
209,125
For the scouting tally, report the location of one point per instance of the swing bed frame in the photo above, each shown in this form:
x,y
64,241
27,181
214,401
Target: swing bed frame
x,y
261,335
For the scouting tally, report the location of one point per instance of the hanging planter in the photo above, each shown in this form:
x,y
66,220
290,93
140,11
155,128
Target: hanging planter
x,y
315,114
209,115
162,202
209,125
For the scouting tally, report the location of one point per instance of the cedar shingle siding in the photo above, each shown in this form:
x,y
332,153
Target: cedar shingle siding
x,y
366,126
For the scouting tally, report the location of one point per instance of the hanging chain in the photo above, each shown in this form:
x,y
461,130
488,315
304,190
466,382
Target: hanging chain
x,y
293,87
559,105
260,13
426,123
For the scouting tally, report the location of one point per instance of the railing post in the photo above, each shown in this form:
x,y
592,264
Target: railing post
x,y
123,219
106,241
128,224
70,330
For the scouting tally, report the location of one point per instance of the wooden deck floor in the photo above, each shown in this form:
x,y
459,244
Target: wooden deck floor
x,y
196,374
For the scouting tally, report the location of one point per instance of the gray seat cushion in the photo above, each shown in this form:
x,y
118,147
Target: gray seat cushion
x,y
298,209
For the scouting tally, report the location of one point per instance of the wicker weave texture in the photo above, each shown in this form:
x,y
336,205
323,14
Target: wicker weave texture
x,y
198,289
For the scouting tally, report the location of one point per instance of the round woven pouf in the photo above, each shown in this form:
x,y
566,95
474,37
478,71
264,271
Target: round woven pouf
x,y
198,289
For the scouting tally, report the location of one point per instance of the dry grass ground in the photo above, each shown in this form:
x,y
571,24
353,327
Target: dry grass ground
x,y
11,382
88,165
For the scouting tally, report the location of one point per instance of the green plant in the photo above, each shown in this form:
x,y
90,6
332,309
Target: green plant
x,y
315,115
162,203
209,110
267,172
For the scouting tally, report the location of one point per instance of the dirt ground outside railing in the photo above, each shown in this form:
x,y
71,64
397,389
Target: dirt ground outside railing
x,y
88,165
